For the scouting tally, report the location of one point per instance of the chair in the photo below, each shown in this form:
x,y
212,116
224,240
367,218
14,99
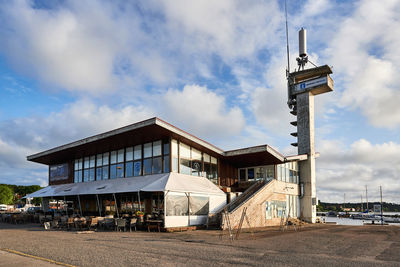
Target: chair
x,y
70,223
93,224
132,223
120,223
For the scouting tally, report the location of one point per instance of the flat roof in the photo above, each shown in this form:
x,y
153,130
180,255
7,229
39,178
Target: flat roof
x,y
144,131
142,124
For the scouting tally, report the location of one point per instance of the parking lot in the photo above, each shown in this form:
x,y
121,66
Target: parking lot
x,y
312,246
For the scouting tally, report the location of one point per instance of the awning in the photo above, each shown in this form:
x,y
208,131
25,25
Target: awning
x,y
150,183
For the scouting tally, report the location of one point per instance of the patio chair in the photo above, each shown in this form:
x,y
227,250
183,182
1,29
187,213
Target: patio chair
x,y
108,223
120,224
132,223
93,224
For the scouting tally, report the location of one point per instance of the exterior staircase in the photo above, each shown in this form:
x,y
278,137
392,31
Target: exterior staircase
x,y
257,192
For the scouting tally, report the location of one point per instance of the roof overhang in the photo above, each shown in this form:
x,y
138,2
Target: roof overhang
x,y
174,182
137,133
254,156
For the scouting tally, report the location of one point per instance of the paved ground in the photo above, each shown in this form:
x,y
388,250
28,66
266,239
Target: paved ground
x,y
319,245
12,259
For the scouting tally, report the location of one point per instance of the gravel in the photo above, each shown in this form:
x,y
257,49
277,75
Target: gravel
x,y
314,245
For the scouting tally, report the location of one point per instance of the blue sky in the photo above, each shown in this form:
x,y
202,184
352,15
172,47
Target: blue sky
x,y
71,69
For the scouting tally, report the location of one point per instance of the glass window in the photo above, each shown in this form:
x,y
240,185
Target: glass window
x,y
259,173
113,171
137,168
147,166
99,174
129,154
250,174
86,175
78,176
185,166
120,170
138,152
242,175
105,158
76,165
99,161
86,163
174,148
105,172
157,148
92,161
80,164
166,163
166,147
147,150
157,165
129,169
113,157
91,174
120,157
184,151
196,162
287,175
207,165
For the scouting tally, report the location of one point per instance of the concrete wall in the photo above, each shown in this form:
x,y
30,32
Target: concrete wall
x,y
256,213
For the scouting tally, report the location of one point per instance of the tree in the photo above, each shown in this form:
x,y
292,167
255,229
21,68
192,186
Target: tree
x,y
6,195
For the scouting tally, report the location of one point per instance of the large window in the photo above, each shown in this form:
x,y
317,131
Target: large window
x,y
88,168
257,173
193,162
288,172
174,155
184,159
137,163
78,170
129,162
143,159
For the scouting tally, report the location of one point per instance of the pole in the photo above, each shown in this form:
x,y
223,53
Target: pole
x,y
98,204
140,206
362,204
380,187
115,204
366,196
80,207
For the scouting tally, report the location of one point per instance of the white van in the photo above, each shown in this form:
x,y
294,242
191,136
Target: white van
x,y
3,207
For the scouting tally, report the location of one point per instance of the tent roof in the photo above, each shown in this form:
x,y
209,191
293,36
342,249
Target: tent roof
x,y
150,183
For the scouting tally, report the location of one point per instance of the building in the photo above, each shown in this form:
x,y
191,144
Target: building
x,y
161,170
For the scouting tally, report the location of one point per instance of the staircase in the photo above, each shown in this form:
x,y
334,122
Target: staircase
x,y
234,208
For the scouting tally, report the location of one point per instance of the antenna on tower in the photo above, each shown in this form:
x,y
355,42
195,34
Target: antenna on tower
x,y
303,57
291,100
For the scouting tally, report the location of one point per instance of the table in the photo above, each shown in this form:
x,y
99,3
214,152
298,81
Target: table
x,y
153,224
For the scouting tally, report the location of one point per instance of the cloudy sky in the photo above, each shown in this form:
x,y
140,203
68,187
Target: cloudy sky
x,y
71,69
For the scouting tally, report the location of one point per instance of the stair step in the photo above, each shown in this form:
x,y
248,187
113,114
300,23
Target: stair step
x,y
294,123
295,144
294,134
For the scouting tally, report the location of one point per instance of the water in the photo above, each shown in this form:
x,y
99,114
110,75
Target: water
x,y
349,221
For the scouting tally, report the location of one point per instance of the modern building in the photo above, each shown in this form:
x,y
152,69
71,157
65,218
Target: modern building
x,y
161,170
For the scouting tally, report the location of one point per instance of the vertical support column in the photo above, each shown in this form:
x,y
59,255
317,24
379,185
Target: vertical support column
x,y
306,145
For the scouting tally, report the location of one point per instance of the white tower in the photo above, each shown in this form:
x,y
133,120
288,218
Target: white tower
x,y
303,85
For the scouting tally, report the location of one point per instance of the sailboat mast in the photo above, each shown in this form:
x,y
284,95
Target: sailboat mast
x,y
366,196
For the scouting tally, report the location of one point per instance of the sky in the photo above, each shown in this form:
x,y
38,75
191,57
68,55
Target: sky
x,y
72,69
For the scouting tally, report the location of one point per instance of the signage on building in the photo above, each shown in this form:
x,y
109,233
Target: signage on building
x,y
58,172
316,86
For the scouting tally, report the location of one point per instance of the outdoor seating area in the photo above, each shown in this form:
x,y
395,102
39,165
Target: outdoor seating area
x,y
86,223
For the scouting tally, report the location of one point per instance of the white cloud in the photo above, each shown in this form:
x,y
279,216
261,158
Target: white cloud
x,y
201,111
364,55
342,170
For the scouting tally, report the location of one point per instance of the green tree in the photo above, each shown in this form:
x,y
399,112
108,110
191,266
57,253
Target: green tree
x,y
6,195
